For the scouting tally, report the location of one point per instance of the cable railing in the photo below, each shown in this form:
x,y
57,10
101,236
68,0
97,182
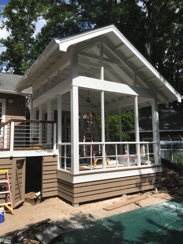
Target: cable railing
x,y
27,135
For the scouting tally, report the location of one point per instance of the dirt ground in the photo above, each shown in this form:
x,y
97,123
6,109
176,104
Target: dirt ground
x,y
67,216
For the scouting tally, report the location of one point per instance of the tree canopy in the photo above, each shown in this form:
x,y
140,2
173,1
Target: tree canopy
x,y
154,27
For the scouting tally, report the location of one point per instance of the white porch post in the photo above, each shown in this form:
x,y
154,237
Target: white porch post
x,y
59,118
137,137
74,131
156,137
102,108
74,116
103,130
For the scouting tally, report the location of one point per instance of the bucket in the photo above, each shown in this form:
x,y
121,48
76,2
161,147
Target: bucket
x,y
1,215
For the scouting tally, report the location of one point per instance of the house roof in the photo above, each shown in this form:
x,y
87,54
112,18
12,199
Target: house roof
x,y
122,61
8,83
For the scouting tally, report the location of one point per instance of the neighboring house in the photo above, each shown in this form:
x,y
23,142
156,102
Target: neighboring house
x,y
12,104
78,82
13,107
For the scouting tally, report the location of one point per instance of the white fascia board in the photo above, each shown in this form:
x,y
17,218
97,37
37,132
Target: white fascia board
x,y
64,44
102,85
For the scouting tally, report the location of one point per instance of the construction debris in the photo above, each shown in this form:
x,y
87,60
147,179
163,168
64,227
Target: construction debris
x,y
42,232
129,201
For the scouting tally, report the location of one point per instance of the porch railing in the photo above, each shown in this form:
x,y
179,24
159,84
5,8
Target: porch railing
x,y
172,150
27,135
117,155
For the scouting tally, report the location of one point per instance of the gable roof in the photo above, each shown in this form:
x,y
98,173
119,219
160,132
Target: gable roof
x,y
8,83
123,62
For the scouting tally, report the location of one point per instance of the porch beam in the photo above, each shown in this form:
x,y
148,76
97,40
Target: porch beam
x,y
103,85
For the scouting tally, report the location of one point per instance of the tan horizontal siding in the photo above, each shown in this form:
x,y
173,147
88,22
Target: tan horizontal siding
x,y
49,177
17,178
78,193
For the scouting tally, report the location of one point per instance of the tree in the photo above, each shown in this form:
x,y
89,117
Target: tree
x,y
20,20
154,27
126,15
62,19
127,122
163,25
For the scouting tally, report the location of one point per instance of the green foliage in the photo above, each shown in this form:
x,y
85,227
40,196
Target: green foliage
x,y
154,27
20,21
177,156
163,24
127,122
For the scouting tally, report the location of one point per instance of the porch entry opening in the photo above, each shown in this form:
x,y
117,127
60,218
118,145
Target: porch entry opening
x,y
33,180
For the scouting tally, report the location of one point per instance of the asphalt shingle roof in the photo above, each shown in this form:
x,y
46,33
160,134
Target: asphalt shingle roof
x,y
9,81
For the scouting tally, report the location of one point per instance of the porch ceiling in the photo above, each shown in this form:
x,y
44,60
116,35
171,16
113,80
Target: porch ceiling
x,y
122,63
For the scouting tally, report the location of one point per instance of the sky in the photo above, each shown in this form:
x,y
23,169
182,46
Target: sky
x,y
3,32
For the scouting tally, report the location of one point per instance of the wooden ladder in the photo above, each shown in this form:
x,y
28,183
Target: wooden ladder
x,y
5,190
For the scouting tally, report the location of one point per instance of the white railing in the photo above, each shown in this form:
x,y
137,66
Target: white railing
x,y
98,155
172,150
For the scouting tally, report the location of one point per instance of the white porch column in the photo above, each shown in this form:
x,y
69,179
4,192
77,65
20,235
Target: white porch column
x,y
156,137
74,130
59,118
137,137
74,96
103,130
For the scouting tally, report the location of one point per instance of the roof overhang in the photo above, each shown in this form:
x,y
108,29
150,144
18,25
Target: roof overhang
x,y
57,49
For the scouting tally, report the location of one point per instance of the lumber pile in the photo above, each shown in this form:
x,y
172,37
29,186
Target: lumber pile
x,y
129,201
